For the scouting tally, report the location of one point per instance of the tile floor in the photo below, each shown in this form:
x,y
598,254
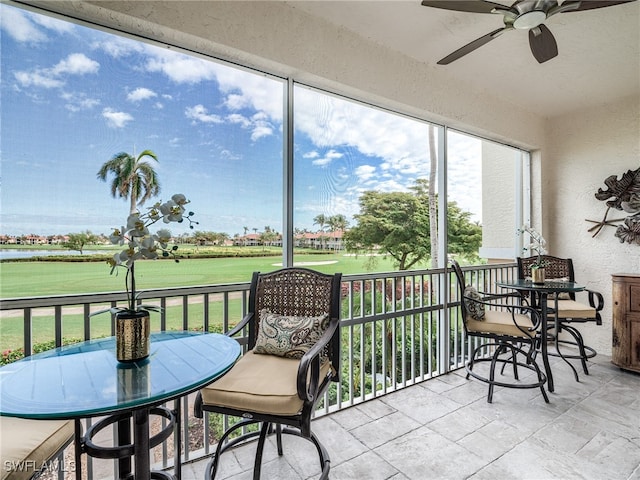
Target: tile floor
x,y
445,429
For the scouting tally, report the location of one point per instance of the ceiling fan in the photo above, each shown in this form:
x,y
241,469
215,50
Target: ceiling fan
x,y
521,15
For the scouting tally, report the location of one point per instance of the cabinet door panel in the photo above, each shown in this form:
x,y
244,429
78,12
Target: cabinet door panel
x,y
635,344
634,298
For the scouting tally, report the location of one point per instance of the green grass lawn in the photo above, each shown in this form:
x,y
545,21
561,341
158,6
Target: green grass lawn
x,y
29,279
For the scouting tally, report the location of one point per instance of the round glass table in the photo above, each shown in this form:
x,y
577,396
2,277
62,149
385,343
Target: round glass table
x,y
85,380
539,293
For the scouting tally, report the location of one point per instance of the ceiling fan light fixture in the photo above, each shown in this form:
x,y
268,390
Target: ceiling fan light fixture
x,y
530,20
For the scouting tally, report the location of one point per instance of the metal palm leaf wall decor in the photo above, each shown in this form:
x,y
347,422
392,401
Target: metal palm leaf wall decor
x,y
624,195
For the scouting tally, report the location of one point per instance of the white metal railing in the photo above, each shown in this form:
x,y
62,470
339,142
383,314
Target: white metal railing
x,y
398,329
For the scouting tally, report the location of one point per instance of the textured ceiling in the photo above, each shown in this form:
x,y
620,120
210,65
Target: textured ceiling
x,y
598,60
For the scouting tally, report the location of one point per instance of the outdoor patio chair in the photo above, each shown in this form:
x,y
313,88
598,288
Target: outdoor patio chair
x,y
569,310
29,447
500,335
293,354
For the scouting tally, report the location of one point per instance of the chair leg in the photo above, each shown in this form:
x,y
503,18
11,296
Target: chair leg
x,y
492,373
530,356
514,361
257,465
279,438
575,333
212,466
323,455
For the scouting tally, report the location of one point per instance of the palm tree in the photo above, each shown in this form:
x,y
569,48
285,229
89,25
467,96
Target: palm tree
x,y
133,178
320,220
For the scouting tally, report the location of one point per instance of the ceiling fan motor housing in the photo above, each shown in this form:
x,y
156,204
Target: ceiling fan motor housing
x,y
529,20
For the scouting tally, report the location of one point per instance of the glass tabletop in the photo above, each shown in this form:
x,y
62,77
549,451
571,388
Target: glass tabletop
x,y
85,379
548,286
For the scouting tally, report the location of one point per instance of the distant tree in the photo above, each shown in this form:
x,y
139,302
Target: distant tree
x,y
77,241
395,223
321,221
337,222
268,236
398,224
212,238
133,177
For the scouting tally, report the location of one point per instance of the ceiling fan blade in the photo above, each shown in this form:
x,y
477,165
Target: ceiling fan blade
x,y
543,44
592,4
470,47
472,6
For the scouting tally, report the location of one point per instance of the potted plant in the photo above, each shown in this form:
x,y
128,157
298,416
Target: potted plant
x,y
132,320
537,247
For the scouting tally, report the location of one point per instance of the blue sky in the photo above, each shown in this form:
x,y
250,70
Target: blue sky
x,y
73,97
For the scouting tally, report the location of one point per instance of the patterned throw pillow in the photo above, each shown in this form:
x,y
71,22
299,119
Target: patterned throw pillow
x,y
475,309
288,336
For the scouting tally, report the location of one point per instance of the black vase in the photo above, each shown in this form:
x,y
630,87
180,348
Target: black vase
x,y
132,335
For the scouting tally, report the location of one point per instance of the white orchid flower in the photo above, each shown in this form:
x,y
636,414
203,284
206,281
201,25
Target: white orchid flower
x,y
148,248
117,237
180,199
136,226
171,211
163,237
130,255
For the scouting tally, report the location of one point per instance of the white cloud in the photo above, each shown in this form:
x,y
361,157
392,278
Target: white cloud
x,y
178,67
312,154
140,94
118,47
243,90
76,102
365,172
260,131
50,23
19,26
37,79
329,157
75,64
54,77
239,120
400,142
199,113
236,102
116,119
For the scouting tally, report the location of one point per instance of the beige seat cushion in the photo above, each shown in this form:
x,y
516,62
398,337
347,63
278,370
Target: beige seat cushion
x,y
27,444
261,384
573,309
500,322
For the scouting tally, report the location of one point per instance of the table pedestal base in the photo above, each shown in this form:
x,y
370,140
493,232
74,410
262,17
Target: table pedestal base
x,y
140,448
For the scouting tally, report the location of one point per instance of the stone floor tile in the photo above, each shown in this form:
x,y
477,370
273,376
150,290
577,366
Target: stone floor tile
x,y
367,466
458,424
424,454
339,442
421,404
384,429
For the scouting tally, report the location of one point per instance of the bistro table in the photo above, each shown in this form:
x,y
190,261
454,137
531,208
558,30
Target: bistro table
x,y
539,293
85,380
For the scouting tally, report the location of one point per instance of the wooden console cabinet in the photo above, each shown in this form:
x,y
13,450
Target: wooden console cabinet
x,y
626,321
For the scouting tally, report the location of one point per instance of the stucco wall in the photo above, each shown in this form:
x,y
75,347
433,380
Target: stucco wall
x,y
584,148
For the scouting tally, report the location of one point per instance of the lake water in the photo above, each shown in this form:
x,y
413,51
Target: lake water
x,y
9,253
